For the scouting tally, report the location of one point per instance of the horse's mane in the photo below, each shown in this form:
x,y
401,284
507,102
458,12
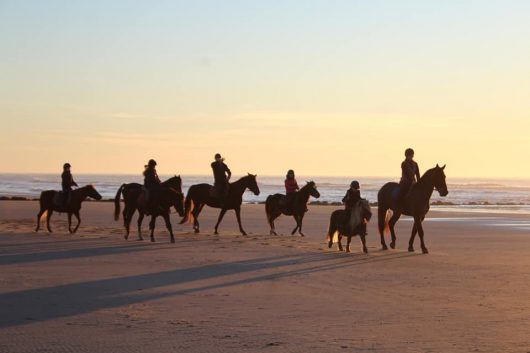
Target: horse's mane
x,y
309,184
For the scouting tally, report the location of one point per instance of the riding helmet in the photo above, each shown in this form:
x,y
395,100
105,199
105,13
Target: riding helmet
x,y
217,156
151,163
355,185
66,165
409,152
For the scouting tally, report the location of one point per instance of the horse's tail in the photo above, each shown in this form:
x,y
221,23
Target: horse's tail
x,y
333,227
268,207
117,202
188,208
383,216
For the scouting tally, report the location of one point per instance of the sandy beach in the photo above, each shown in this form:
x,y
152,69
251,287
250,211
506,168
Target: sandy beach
x,y
96,292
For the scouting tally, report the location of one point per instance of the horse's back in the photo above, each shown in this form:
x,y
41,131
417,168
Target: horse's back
x,y
386,192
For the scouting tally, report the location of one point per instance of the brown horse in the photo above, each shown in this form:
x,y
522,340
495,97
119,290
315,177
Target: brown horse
x,y
132,192
168,197
51,200
274,209
416,204
200,195
339,223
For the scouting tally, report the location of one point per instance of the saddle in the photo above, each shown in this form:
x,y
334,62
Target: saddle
x,y
213,192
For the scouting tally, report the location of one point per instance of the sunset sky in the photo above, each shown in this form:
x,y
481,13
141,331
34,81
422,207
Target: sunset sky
x,y
336,88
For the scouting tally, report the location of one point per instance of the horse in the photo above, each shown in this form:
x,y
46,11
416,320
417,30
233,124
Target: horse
x,y
348,223
133,199
274,209
200,195
51,200
416,204
131,193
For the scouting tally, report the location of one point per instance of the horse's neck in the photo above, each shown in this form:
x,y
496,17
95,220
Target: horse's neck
x,y
425,185
80,194
304,195
238,186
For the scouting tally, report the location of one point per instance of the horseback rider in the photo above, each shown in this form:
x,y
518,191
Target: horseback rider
x,y
67,181
291,187
350,200
151,183
410,175
221,174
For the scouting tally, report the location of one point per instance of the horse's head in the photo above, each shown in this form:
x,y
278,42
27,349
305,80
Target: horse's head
x,y
366,211
311,188
438,177
177,201
252,183
92,192
174,182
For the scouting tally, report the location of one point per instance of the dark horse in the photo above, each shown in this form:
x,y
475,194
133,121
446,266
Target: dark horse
x,y
338,223
416,204
274,208
133,197
200,195
51,200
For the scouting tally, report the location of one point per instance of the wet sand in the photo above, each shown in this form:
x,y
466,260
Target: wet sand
x,y
96,292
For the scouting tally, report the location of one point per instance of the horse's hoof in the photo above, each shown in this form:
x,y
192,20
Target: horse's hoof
x,y
384,247
347,250
302,235
330,245
365,250
196,231
173,240
425,251
393,245
411,249
216,233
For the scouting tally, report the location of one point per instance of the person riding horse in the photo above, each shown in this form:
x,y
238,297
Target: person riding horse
x,y
410,174
67,181
350,200
152,184
291,187
221,175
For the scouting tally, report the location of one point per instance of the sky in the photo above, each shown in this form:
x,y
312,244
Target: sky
x,y
334,88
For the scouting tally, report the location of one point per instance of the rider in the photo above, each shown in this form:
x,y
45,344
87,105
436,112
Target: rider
x,y
410,175
67,183
291,187
221,175
352,197
151,183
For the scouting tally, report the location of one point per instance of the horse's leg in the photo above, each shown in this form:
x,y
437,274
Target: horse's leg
x,y
152,227
271,217
196,212
48,216
412,236
127,222
348,244
295,228
69,216
141,216
76,214
340,242
169,227
39,216
417,221
381,216
238,216
363,240
391,224
221,215
300,220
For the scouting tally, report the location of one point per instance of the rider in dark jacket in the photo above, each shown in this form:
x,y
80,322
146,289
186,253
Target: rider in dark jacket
x,y
67,181
221,174
151,183
410,175
352,197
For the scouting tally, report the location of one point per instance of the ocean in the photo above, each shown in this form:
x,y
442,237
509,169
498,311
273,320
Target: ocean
x,y
482,195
